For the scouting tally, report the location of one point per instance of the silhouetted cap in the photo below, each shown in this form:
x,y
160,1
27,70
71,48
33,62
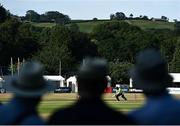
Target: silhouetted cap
x,y
93,69
150,71
92,77
30,81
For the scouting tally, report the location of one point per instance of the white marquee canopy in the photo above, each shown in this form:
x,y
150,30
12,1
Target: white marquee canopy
x,y
55,78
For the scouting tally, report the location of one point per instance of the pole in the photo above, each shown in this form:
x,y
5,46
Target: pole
x,y
18,66
11,66
83,62
23,61
2,73
168,67
59,67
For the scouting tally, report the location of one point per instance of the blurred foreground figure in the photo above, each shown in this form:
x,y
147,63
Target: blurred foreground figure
x,y
90,109
151,74
28,88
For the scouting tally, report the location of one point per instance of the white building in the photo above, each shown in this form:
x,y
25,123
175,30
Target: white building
x,y
72,82
174,88
176,80
58,79
176,77
1,82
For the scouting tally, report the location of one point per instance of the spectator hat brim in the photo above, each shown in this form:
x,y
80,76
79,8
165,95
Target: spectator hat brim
x,y
12,86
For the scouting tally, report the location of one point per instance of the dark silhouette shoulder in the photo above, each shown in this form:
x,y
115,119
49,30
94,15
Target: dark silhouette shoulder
x,y
89,113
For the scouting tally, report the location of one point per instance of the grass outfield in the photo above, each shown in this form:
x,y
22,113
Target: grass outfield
x,y
51,102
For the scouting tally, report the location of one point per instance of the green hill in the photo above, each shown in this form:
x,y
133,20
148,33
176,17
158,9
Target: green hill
x,y
43,24
87,26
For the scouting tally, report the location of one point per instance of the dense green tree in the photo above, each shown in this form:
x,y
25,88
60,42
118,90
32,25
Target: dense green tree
x,y
119,71
120,16
69,46
44,36
44,18
119,40
164,40
175,64
164,18
50,16
145,17
57,17
81,46
112,17
55,50
27,40
4,14
33,16
177,27
16,40
131,15
95,19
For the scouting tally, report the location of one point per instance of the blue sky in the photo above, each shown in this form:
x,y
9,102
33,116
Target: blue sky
x,y
88,9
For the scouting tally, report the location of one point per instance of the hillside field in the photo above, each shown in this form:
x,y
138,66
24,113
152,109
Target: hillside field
x,y
88,26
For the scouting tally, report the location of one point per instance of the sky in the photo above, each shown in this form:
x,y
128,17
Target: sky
x,y
101,9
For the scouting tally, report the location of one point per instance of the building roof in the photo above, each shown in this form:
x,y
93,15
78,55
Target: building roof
x,y
54,78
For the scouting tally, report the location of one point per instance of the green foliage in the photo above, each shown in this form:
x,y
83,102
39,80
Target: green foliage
x,y
177,27
95,19
165,40
12,68
59,43
118,16
4,14
50,16
16,40
56,49
44,36
119,72
55,16
81,46
43,25
119,41
88,26
74,27
175,64
32,16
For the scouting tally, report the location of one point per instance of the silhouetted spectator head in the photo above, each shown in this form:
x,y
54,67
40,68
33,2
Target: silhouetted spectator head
x,y
30,82
92,78
150,72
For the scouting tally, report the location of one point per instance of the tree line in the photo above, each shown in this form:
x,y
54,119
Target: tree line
x,y
122,16
50,16
118,42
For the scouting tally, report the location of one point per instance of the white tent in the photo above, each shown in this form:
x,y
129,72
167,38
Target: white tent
x,y
1,82
109,81
58,78
72,82
176,77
